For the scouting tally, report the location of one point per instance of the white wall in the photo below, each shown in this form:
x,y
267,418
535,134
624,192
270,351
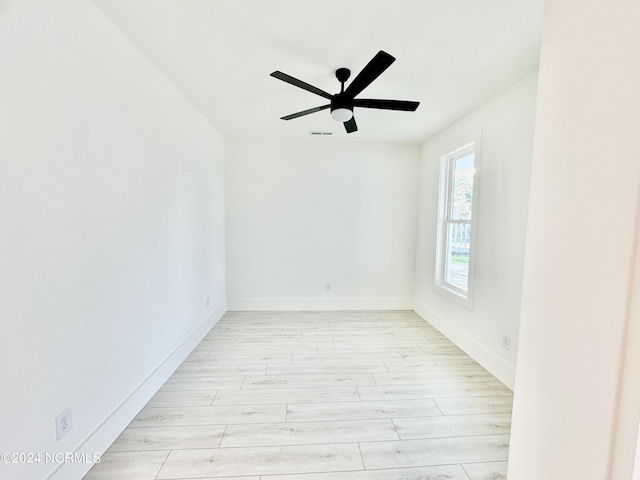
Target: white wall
x,y
111,229
302,214
576,403
636,463
502,178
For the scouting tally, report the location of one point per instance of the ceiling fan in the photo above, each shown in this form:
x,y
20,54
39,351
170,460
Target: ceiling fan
x,y
343,103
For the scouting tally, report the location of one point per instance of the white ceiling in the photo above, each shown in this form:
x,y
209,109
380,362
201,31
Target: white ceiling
x,y
451,56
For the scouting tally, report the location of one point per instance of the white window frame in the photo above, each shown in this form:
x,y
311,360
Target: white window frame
x,y
470,144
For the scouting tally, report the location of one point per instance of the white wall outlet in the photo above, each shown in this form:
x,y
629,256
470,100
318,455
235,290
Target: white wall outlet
x,y
63,423
506,342
327,287
207,301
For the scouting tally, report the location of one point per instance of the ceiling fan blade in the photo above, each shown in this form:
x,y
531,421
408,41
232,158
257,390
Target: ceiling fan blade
x,y
350,125
300,84
369,73
387,104
305,112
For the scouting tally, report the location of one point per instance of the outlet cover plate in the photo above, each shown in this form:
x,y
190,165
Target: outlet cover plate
x,y
506,342
63,423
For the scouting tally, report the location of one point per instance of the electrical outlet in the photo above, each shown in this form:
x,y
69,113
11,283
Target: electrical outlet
x,y
207,301
63,423
327,287
506,342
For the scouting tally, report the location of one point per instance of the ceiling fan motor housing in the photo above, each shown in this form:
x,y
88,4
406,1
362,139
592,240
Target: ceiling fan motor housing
x,y
340,100
341,107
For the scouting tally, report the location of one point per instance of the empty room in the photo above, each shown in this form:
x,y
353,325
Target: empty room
x,y
295,240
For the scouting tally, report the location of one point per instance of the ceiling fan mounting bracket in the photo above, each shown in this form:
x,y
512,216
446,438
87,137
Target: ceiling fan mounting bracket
x,y
343,74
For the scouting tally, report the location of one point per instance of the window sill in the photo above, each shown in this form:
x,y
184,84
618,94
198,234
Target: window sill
x,y
456,296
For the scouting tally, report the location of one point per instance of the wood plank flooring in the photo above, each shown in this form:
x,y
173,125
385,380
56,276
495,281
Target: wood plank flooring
x,y
319,396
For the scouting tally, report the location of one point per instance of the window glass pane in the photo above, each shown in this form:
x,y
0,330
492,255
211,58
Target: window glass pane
x,y
456,270
462,188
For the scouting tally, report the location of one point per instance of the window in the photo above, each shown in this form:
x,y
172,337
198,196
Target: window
x,y
457,204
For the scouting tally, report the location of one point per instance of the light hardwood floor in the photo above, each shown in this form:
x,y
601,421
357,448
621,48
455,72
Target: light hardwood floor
x,y
319,396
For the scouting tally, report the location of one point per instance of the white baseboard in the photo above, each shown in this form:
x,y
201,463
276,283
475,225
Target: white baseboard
x,y
313,304
102,438
495,365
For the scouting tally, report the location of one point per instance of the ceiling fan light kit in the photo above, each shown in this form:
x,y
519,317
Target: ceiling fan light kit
x,y
341,114
343,103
